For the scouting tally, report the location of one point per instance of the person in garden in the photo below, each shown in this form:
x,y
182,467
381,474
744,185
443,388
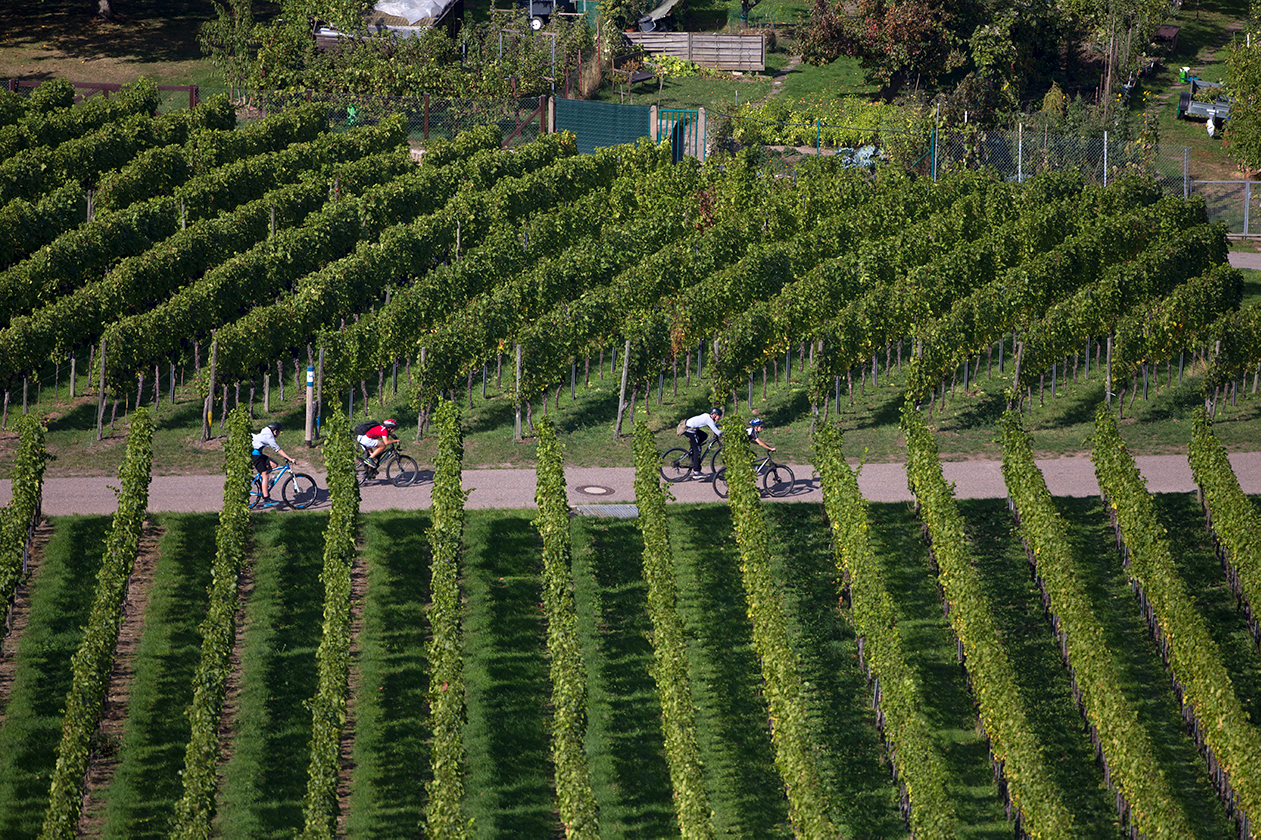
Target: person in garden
x,y
696,435
376,439
266,439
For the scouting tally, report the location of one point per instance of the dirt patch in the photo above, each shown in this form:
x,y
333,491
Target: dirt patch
x,y
19,617
109,734
358,589
232,690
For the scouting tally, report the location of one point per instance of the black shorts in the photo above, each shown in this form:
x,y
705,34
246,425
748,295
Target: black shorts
x,y
262,463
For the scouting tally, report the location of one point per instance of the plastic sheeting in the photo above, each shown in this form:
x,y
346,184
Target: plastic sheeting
x,y
414,11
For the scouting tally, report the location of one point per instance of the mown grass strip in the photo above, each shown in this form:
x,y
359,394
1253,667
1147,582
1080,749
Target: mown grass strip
x,y
1142,673
60,598
627,752
391,749
505,671
854,770
146,783
264,778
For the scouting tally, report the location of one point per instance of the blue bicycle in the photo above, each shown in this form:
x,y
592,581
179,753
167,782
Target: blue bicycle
x,y
297,490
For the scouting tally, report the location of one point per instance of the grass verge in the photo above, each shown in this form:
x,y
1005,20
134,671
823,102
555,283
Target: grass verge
x,y
264,779
147,782
60,599
391,752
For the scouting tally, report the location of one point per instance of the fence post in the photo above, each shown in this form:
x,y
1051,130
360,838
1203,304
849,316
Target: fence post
x,y
702,134
1105,158
936,120
653,127
426,132
1186,171
1247,203
818,133
1020,153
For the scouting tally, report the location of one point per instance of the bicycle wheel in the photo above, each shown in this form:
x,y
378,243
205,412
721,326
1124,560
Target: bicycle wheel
x,y
720,483
256,492
363,472
676,464
778,480
716,463
403,471
299,491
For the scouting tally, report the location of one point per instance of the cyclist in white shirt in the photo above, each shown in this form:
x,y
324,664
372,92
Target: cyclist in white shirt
x,y
696,435
267,439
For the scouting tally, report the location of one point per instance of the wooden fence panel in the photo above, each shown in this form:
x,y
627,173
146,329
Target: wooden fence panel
x,y
724,52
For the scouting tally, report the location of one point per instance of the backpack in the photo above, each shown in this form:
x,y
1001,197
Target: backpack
x,y
681,428
364,427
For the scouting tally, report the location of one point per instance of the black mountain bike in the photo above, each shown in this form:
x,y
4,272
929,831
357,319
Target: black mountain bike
x,y
777,479
399,469
676,463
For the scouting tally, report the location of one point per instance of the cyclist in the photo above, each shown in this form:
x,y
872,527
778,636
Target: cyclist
x,y
375,440
267,439
753,430
696,435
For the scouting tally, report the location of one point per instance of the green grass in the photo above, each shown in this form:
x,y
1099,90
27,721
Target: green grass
x,y
1041,678
140,798
265,778
853,765
629,771
746,793
931,649
60,599
391,755
965,429
509,790
1144,679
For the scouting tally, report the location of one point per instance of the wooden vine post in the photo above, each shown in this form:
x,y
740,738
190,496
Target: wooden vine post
x,y
100,401
621,400
516,428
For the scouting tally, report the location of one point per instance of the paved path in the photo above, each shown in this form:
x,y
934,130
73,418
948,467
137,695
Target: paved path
x,y
978,479
1245,259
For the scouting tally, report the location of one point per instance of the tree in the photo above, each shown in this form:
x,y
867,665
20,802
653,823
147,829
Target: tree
x,y
896,41
1243,83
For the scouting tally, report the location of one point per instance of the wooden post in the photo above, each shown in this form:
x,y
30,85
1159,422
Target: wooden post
x,y
267,393
516,427
621,401
100,402
210,391
72,377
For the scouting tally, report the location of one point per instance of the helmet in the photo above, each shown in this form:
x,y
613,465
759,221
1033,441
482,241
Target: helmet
x,y
389,424
275,427
716,410
756,422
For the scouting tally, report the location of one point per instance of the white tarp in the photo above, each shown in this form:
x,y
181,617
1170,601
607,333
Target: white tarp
x,y
414,10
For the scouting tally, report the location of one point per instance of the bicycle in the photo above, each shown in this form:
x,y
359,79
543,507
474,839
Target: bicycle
x,y
297,490
400,470
676,463
777,479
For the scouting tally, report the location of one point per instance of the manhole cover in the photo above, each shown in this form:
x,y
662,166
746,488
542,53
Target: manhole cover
x,y
594,490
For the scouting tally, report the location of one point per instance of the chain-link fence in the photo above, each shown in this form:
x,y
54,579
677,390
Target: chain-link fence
x,y
520,119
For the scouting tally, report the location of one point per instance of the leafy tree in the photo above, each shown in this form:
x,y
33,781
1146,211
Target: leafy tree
x,y
896,41
1243,83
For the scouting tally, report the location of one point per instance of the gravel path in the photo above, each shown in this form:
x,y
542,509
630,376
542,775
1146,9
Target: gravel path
x,y
977,479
